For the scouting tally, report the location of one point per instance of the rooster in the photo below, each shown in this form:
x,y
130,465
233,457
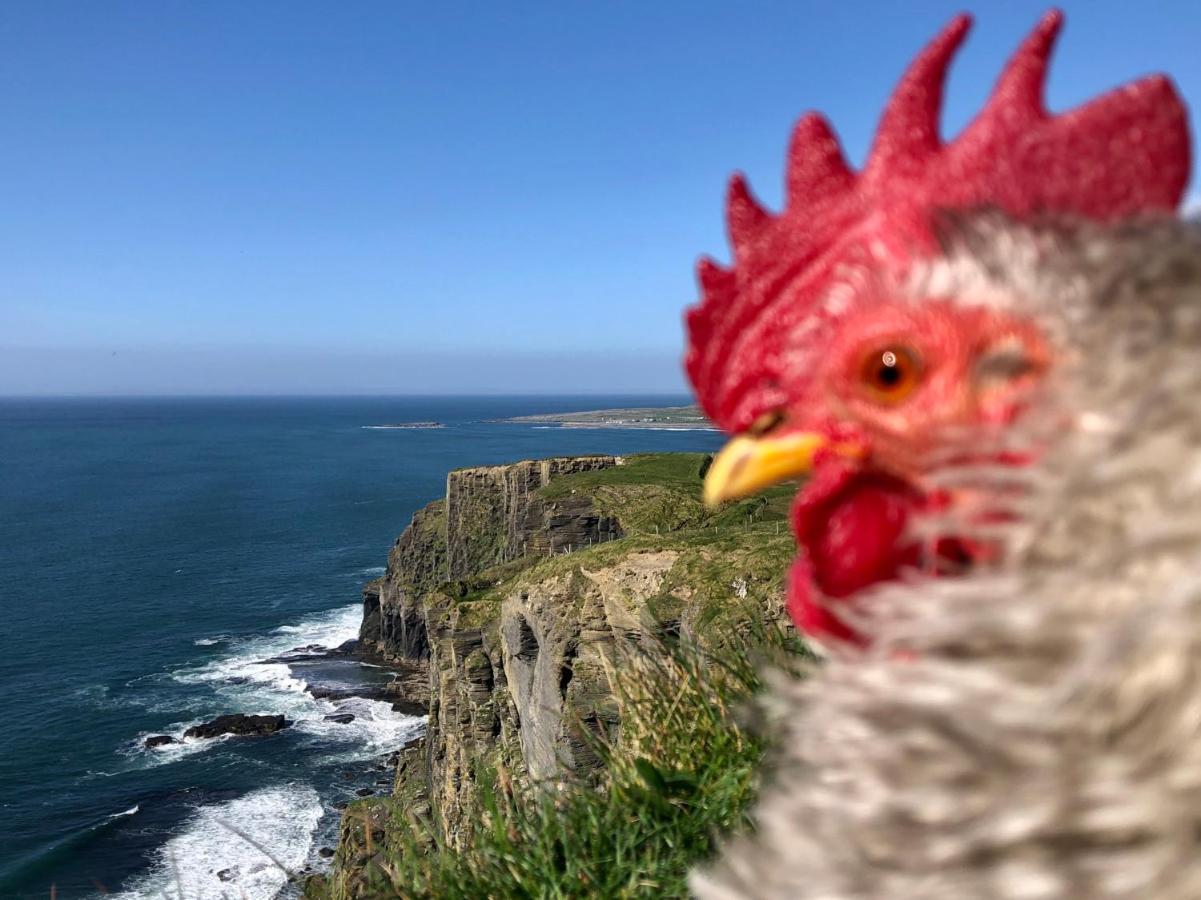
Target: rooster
x,y
1030,727
839,345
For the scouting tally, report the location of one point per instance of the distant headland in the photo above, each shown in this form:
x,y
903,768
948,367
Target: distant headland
x,y
673,418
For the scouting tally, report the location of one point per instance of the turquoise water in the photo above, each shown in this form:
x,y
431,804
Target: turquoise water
x,y
153,553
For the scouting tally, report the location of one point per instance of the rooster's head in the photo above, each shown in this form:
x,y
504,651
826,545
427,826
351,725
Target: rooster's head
x,y
835,348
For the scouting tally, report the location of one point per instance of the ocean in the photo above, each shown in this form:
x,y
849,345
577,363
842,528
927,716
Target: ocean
x,y
155,555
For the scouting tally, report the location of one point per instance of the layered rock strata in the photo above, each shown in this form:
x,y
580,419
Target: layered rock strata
x,y
519,601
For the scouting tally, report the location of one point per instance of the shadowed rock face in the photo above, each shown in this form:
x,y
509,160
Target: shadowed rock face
x,y
393,623
493,513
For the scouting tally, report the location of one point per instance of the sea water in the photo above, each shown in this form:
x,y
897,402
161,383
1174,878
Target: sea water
x,y
155,556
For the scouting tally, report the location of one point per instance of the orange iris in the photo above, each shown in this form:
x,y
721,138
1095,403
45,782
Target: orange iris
x,y
891,373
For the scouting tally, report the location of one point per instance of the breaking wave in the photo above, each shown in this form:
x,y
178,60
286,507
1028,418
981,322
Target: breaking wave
x,y
241,848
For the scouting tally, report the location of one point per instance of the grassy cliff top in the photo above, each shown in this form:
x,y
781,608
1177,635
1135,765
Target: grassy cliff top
x,y
684,471
661,492
657,499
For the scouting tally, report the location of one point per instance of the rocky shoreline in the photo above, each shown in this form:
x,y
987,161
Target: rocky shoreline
x,y
407,692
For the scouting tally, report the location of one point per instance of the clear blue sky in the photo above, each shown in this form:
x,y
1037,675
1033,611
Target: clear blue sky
x,y
403,197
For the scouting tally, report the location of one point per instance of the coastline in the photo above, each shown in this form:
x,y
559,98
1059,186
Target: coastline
x,y
348,703
651,418
239,558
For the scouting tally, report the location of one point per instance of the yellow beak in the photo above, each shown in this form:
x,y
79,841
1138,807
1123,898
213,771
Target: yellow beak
x,y
749,464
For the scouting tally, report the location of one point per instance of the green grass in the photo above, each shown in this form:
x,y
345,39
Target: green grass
x,y
681,470
682,774
661,492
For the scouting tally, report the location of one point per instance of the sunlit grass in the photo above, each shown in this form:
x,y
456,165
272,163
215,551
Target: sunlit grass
x,y
682,773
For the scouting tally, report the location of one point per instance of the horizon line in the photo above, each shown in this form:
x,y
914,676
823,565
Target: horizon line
x,y
348,396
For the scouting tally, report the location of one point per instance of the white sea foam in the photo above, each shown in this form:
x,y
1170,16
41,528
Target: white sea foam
x,y
375,730
211,641
328,628
224,849
249,684
243,848
246,683
169,753
372,571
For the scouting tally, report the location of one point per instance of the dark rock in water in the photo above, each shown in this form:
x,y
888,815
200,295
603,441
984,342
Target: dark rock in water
x,y
339,805
367,692
340,718
298,654
238,724
364,792
386,692
386,781
226,874
325,852
409,707
158,740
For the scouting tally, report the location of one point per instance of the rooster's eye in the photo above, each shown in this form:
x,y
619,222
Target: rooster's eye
x,y
891,373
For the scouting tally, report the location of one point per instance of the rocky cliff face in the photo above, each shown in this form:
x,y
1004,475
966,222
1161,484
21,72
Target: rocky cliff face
x,y
490,515
393,621
521,646
494,513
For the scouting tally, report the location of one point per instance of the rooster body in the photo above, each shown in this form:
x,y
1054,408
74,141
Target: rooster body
x,y
990,371
1031,729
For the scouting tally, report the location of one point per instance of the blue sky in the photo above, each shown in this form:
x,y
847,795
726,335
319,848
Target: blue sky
x,y
407,197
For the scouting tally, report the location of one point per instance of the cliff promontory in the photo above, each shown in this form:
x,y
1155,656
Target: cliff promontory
x,y
511,601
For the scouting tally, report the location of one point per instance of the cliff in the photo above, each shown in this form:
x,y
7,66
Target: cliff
x,y
518,591
490,515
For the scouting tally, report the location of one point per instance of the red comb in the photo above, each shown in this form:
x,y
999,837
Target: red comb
x,y
1124,153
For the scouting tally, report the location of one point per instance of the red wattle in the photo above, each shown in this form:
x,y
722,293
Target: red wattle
x,y
850,527
808,612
